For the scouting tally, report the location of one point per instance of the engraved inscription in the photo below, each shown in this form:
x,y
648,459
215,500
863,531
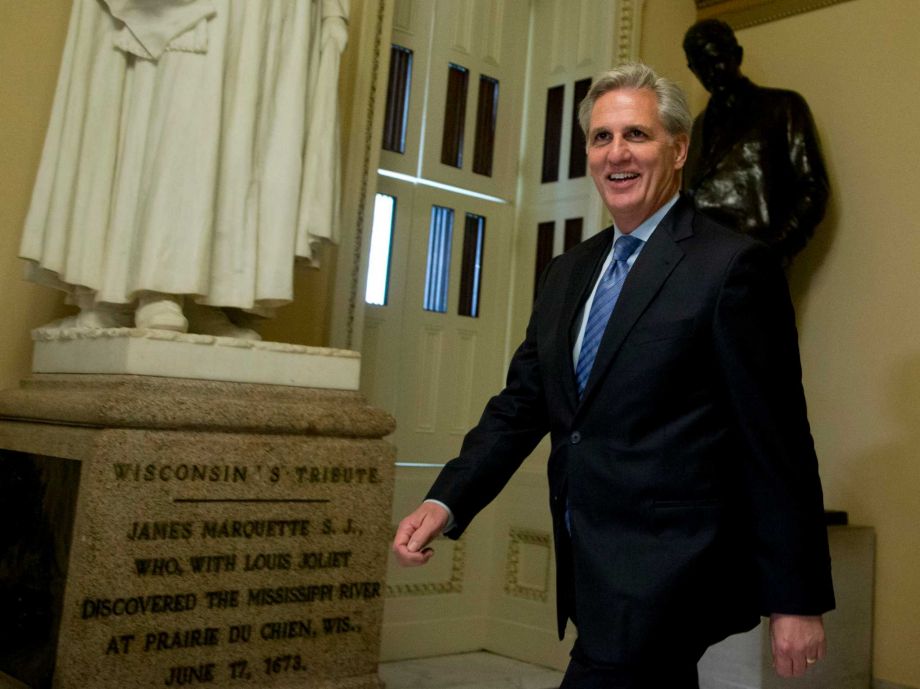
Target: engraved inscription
x,y
253,565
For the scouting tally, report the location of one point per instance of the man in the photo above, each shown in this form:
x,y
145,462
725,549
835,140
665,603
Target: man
x,y
683,482
754,162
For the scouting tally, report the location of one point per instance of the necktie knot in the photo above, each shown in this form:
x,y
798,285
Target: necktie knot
x,y
624,247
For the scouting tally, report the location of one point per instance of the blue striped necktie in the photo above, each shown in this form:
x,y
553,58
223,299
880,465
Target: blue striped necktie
x,y
608,289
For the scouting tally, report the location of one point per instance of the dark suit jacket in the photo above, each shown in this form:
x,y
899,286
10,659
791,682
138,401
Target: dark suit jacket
x,y
688,467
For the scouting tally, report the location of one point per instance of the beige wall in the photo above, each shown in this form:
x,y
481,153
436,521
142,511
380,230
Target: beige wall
x,y
31,39
861,367
856,285
663,25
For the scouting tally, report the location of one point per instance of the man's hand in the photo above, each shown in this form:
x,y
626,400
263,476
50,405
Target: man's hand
x,y
416,531
798,643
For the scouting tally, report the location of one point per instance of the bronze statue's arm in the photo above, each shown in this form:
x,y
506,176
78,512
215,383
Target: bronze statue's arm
x,y
810,188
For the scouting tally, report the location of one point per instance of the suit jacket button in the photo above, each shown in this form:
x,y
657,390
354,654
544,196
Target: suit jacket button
x,y
575,438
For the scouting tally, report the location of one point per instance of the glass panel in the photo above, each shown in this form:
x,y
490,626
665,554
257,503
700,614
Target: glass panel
x,y
437,271
397,111
378,270
454,116
552,133
546,235
578,157
486,115
474,237
573,230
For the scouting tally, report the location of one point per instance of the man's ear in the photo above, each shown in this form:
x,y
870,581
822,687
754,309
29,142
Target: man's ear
x,y
681,146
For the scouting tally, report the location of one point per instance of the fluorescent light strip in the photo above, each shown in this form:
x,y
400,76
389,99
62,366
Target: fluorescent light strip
x,y
439,185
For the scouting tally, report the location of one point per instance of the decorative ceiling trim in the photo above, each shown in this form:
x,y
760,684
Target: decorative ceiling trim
x,y
741,14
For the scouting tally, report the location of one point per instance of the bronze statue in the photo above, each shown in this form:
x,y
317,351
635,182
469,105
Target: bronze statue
x,y
754,161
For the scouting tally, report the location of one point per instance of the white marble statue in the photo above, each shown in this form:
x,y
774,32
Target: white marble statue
x,y
191,155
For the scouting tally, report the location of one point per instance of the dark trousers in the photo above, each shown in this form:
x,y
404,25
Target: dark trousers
x,y
670,671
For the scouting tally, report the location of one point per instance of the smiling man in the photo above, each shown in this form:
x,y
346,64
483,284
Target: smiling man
x,y
661,357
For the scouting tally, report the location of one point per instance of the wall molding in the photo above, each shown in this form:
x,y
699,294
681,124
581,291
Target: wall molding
x,y
454,584
628,26
513,587
367,173
741,14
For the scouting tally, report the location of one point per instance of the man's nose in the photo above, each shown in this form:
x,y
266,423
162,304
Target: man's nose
x,y
618,151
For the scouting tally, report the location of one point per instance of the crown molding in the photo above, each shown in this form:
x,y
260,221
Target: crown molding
x,y
740,14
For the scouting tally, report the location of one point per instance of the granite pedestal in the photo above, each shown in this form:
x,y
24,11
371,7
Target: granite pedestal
x,y
160,532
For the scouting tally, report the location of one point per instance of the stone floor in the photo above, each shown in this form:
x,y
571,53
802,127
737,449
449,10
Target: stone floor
x,y
468,671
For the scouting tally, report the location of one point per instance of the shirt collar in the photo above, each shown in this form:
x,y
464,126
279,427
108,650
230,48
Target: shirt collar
x,y
647,226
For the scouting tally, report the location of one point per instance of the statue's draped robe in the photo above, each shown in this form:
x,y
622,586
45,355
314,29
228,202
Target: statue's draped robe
x,y
192,150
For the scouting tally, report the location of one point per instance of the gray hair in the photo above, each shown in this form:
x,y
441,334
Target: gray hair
x,y
672,103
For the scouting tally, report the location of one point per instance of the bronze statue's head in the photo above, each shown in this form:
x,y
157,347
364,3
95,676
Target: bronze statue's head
x,y
713,54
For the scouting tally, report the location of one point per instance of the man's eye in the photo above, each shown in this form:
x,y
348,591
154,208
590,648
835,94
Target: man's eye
x,y
600,137
635,134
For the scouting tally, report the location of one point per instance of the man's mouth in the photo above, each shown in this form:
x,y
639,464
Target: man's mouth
x,y
622,176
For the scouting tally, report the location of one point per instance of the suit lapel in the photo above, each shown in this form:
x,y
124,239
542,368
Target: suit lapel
x,y
656,262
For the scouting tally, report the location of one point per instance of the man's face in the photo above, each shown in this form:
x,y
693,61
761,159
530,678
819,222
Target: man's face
x,y
717,66
634,161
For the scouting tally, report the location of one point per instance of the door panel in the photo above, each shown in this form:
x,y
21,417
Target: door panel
x,y
451,361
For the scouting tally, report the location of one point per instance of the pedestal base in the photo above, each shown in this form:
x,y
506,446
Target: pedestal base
x,y
120,351
179,533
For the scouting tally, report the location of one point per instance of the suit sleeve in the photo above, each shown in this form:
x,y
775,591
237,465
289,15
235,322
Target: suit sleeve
x,y
757,351
512,424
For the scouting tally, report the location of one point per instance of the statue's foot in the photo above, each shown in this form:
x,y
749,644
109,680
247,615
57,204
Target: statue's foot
x,y
60,324
211,320
96,317
163,313
102,317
